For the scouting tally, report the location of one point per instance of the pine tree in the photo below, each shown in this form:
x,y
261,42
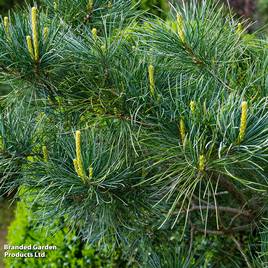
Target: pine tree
x,y
140,133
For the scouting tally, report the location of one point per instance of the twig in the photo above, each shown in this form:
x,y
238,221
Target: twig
x,y
225,231
225,209
221,193
213,232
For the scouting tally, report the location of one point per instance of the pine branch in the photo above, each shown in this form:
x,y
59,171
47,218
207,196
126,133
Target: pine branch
x,y
232,189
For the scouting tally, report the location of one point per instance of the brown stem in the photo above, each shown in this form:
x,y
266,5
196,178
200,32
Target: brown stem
x,y
225,231
213,232
231,188
225,209
242,228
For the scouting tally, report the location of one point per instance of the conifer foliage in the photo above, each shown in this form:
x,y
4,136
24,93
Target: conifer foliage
x,y
145,134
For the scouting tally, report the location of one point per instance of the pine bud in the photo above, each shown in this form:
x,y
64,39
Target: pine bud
x,y
243,121
90,5
1,143
110,5
46,30
239,29
180,28
45,153
30,46
90,171
76,167
192,106
35,33
79,154
55,5
6,24
182,130
202,163
94,33
151,80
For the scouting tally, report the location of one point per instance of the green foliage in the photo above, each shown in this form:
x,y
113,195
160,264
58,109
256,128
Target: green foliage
x,y
80,11
18,142
262,8
19,57
155,7
153,132
5,5
71,252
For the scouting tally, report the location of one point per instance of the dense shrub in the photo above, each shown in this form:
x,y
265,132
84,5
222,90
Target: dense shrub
x,y
71,251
